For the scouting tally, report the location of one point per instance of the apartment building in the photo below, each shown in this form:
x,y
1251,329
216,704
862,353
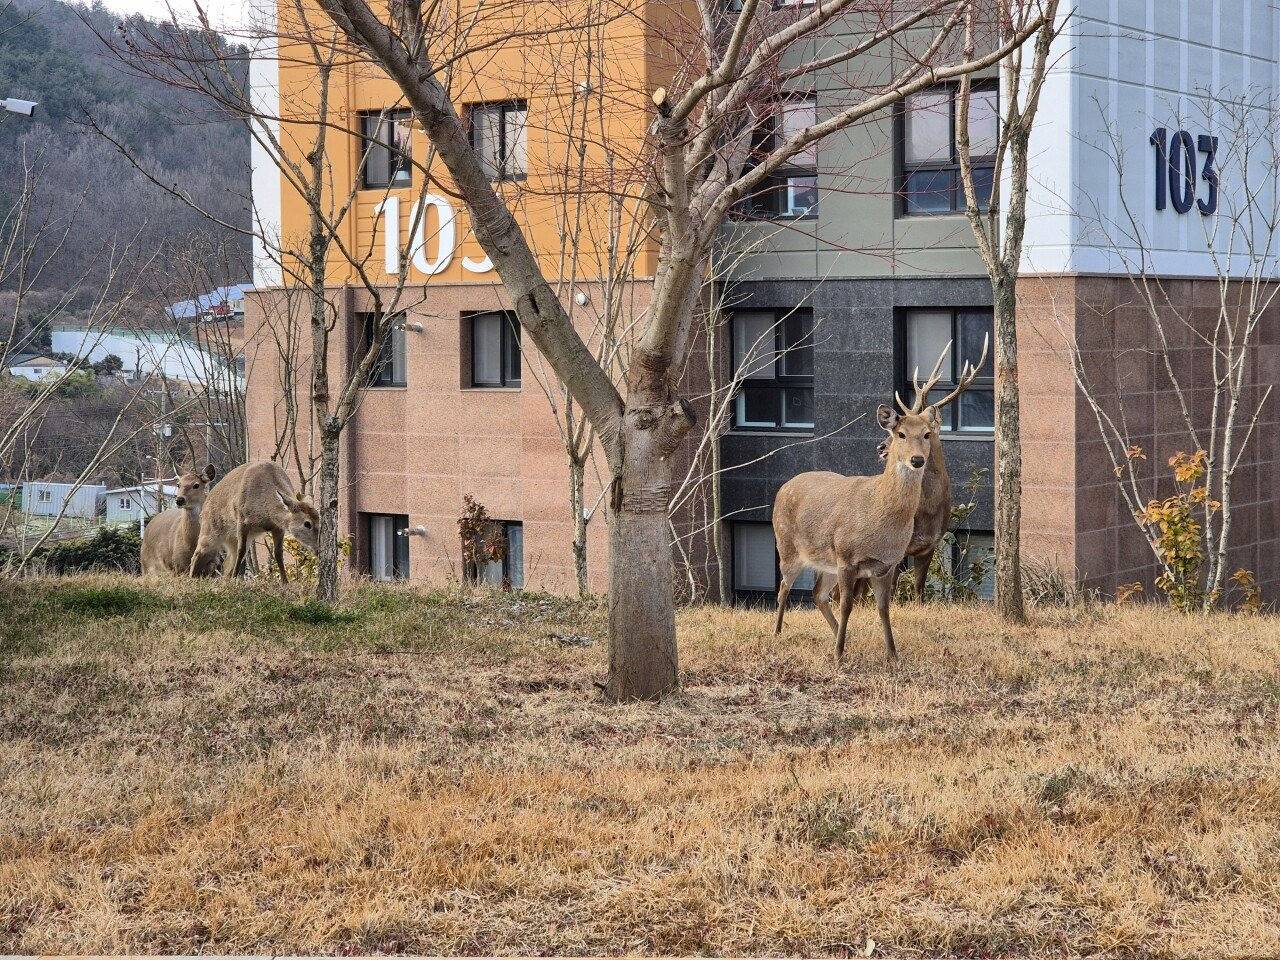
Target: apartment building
x,y
855,267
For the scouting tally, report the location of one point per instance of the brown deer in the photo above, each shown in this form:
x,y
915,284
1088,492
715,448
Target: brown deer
x,y
934,512
170,538
850,528
252,499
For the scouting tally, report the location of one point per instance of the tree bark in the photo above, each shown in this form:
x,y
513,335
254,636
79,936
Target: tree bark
x,y
1008,485
643,664
327,501
577,483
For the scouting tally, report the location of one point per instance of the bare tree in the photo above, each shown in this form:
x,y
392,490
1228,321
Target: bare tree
x,y
999,225
1219,403
737,66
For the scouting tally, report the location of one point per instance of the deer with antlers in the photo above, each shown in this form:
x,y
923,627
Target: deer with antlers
x,y
934,512
827,521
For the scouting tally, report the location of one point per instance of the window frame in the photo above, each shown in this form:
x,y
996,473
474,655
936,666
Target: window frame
x,y
780,382
368,145
504,107
509,355
763,204
385,361
750,595
400,568
951,413
957,550
903,170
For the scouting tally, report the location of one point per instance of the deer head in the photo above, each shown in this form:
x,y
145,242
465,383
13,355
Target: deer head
x,y
193,487
920,406
909,438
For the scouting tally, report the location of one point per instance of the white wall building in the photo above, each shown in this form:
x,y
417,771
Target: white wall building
x,y
143,354
42,498
131,504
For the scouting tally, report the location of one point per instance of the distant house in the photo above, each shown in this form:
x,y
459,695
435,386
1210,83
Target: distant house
x,y
43,498
223,303
131,504
36,366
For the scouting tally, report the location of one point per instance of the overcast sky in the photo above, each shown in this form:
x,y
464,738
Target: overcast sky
x,y
225,14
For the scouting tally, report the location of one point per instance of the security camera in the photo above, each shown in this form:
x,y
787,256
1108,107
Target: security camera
x,y
26,108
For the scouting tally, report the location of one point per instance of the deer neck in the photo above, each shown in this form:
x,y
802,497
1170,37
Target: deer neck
x,y
899,489
191,522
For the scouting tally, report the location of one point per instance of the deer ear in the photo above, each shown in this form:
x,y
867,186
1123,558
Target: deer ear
x,y
935,416
284,501
298,496
210,472
886,416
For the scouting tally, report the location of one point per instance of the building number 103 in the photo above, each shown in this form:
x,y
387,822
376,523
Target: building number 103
x,y
1176,180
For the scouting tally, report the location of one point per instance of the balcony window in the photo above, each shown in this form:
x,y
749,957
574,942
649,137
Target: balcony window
x,y
791,191
773,360
386,145
391,367
495,350
499,138
930,171
927,334
388,545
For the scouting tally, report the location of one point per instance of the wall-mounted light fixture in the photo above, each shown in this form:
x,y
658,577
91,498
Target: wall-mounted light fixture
x,y
410,325
581,298
414,532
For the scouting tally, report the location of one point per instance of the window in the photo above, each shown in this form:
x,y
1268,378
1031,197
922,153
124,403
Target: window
x,y
495,350
388,539
125,503
755,562
773,355
927,334
44,496
792,191
971,563
931,181
498,136
386,145
390,368
505,572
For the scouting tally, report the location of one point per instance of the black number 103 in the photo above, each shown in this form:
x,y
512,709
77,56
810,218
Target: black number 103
x,y
1176,180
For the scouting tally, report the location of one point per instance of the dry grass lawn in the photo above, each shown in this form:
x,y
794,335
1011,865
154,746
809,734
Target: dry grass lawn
x,y
195,768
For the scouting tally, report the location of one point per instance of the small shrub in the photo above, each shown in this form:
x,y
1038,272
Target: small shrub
x,y
111,548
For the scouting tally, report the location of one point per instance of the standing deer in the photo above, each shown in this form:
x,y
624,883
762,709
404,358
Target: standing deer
x,y
252,499
934,512
170,538
849,528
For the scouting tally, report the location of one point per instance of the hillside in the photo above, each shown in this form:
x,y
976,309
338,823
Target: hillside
x,y
194,768
49,53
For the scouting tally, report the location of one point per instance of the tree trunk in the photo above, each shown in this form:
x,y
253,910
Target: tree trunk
x,y
327,502
577,481
643,664
1008,480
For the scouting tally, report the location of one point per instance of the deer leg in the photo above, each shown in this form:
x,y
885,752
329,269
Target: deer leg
x,y
824,590
790,570
202,560
920,567
847,585
277,545
884,588
234,554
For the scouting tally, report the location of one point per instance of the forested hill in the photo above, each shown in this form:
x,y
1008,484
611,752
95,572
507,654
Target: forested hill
x,y
49,54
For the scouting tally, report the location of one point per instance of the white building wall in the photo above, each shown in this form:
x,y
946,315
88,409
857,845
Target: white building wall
x,y
264,92
82,502
1124,68
174,357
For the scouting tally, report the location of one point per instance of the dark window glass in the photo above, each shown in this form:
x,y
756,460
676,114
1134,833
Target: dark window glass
x,y
495,350
498,134
791,191
498,560
388,541
387,148
773,357
930,179
928,333
755,563
391,367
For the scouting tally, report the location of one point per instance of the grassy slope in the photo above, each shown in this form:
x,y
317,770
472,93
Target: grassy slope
x,y
197,768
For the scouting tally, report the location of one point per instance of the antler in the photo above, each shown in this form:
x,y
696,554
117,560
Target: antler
x,y
967,376
922,392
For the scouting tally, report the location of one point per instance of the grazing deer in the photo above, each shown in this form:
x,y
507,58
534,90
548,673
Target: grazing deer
x,y
849,528
252,499
170,538
934,512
